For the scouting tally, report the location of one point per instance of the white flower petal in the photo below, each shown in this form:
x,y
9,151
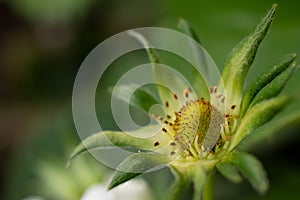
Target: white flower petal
x,y
135,189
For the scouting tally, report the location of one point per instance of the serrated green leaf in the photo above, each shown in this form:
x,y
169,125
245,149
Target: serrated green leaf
x,y
120,139
265,79
257,116
241,58
135,165
229,171
252,169
141,98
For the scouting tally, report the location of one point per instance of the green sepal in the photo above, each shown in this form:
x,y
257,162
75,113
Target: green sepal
x,y
265,79
187,29
241,58
198,83
119,139
162,76
252,169
228,170
271,130
257,116
141,98
274,88
135,165
167,77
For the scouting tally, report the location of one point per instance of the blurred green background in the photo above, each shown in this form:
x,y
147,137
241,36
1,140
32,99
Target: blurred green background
x,y
42,44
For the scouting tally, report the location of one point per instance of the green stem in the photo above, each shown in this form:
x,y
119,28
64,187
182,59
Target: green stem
x,y
208,193
181,184
199,176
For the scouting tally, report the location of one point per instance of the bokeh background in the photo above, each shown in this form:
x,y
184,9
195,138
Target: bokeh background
x,y
42,44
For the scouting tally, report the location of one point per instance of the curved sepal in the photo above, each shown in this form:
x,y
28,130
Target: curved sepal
x,y
167,79
257,116
187,29
241,58
228,170
120,139
135,165
274,88
162,76
199,57
271,130
252,169
265,79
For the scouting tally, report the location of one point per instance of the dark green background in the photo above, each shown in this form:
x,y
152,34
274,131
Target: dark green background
x,y
42,44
